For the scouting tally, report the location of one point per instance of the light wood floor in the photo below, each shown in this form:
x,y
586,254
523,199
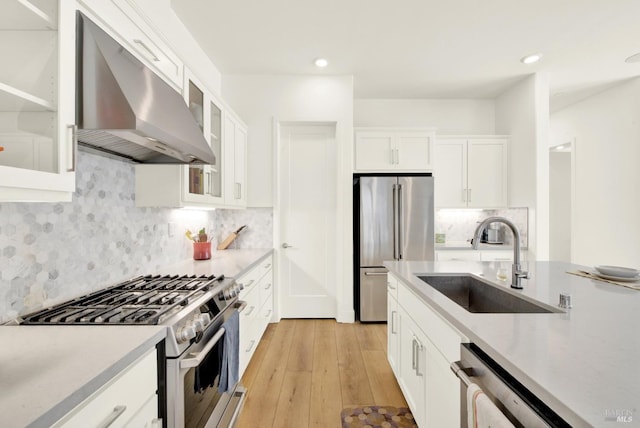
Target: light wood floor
x,y
304,372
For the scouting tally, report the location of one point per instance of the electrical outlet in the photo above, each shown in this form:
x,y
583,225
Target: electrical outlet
x,y
171,226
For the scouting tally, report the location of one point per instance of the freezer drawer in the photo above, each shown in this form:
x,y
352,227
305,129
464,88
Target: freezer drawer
x,y
373,294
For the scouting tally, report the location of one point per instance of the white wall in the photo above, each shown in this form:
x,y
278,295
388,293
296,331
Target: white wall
x,y
465,116
522,113
261,100
606,128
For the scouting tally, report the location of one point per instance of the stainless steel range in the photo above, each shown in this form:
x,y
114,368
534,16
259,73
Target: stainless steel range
x,y
194,310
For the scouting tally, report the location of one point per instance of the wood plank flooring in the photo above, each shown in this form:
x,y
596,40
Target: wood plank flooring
x,y
304,372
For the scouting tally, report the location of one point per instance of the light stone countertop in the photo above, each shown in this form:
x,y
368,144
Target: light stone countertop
x,y
46,371
582,363
230,263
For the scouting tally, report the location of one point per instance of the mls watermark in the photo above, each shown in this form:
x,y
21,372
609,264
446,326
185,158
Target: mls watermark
x,y
619,415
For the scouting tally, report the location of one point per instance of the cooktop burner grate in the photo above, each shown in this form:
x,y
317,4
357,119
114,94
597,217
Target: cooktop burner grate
x,y
141,300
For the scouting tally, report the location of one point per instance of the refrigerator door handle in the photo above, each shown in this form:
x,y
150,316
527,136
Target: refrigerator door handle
x,y
395,222
400,225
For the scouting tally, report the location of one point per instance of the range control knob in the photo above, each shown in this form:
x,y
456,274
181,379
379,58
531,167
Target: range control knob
x,y
186,333
200,322
240,286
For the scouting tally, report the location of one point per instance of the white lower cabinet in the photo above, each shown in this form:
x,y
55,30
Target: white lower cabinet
x,y
413,366
426,346
258,294
127,400
393,336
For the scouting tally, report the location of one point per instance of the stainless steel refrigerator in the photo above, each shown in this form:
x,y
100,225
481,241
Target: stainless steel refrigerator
x,y
393,221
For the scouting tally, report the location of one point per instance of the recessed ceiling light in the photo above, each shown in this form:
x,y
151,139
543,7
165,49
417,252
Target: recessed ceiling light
x,y
530,59
321,62
633,58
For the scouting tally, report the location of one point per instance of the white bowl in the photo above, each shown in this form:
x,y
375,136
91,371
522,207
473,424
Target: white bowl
x,y
622,272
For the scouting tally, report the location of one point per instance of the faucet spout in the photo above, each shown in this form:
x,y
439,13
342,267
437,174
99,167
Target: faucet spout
x,y
517,273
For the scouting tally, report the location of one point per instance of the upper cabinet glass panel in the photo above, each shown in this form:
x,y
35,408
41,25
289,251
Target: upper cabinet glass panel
x,y
216,145
29,85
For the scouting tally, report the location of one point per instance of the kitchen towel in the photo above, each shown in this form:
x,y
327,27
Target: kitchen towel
x,y
207,371
481,412
230,355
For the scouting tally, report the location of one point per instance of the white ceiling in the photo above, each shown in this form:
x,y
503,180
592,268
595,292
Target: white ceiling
x,y
424,48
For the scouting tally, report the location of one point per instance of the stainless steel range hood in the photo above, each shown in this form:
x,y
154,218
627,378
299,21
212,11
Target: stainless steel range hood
x,y
124,109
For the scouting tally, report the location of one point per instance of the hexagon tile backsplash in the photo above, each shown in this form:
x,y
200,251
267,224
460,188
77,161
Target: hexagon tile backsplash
x,y
53,252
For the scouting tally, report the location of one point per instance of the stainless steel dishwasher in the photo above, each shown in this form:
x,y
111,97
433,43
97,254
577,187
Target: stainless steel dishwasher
x,y
517,403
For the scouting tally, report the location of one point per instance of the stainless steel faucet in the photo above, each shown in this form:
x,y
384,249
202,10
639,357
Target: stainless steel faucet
x,y
517,273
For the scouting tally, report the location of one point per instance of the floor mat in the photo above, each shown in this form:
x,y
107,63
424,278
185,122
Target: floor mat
x,y
377,417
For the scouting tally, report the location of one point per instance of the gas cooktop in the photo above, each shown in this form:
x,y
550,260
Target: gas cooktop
x,y
142,300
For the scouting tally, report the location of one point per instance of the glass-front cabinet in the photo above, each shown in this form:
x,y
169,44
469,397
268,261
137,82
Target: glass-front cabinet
x,y
204,181
37,100
219,185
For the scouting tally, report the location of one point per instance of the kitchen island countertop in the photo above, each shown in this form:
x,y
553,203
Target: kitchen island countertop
x,y
46,371
582,362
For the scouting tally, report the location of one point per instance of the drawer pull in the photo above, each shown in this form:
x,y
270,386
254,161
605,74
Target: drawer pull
x,y
267,266
250,310
268,286
156,423
248,284
153,56
269,313
390,287
253,342
115,414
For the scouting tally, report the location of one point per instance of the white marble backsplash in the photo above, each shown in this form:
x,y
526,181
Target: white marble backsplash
x,y
51,252
458,225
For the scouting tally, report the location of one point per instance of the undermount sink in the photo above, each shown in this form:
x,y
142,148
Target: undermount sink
x,y
477,296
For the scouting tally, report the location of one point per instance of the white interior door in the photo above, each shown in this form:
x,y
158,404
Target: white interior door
x,y
308,214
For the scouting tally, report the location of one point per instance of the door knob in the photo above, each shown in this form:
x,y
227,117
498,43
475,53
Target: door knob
x,y
285,245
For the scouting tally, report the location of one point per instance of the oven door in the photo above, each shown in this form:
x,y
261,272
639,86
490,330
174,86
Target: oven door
x,y
202,406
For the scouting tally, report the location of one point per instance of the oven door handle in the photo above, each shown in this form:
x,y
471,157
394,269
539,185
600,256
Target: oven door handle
x,y
200,356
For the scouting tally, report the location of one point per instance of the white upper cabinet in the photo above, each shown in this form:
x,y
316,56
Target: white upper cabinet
x,y
235,143
379,150
124,22
471,172
37,101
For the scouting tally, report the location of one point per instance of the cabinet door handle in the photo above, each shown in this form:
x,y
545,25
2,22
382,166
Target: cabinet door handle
x,y
393,322
251,309
469,195
397,156
156,423
413,353
268,286
74,147
418,349
153,56
389,286
115,414
253,342
267,266
464,195
238,191
269,313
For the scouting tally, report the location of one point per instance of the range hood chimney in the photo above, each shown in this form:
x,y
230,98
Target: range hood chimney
x,y
124,109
